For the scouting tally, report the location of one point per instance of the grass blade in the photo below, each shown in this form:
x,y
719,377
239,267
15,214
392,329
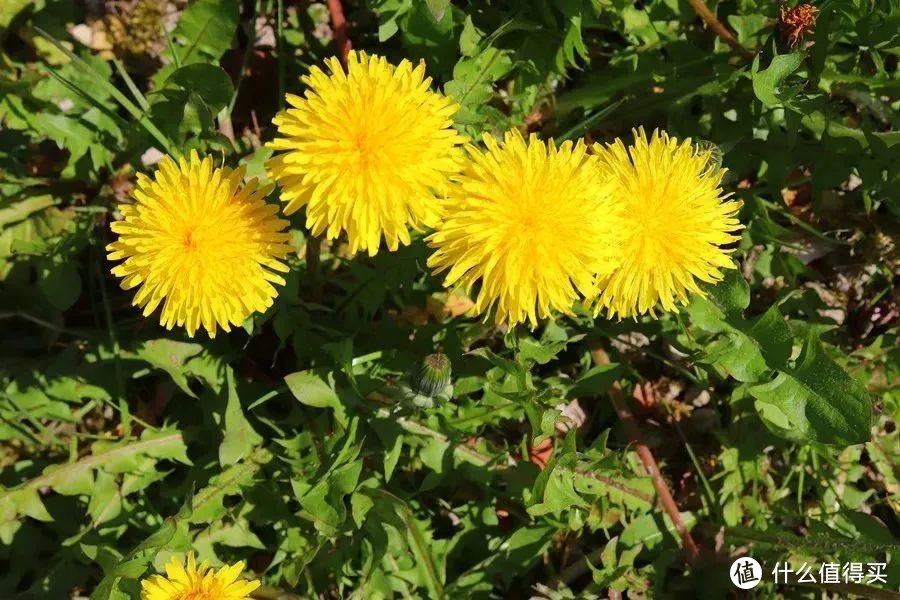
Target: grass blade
x,y
123,100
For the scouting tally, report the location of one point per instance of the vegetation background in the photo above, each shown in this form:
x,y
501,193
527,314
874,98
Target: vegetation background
x,y
284,444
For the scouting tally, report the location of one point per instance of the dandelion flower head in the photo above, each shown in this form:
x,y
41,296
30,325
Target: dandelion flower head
x,y
201,244
197,582
677,222
531,222
366,151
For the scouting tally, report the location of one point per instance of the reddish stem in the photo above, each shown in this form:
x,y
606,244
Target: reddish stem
x,y
646,456
713,23
339,26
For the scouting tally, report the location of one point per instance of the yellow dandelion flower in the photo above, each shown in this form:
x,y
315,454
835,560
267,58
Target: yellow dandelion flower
x,y
195,582
676,220
366,151
201,244
530,221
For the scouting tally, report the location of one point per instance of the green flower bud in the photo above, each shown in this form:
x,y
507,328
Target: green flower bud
x,y
433,376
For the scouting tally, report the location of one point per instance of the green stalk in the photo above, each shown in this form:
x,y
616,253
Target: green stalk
x,y
124,411
170,44
141,99
244,61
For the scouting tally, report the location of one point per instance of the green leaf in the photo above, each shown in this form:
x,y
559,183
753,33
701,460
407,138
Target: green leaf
x,y
512,368
437,8
392,457
106,499
391,436
767,83
75,480
210,82
61,283
419,543
208,502
472,81
23,209
170,356
10,9
429,38
651,529
573,46
234,535
527,544
773,337
817,401
324,503
309,389
543,352
360,505
206,27
101,80
83,85
597,380
731,295
132,568
748,27
196,117
389,11
470,38
738,355
558,495
25,501
745,350
240,438
158,538
163,444
433,453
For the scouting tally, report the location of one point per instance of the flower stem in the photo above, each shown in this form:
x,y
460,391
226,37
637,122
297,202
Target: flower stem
x,y
314,265
124,410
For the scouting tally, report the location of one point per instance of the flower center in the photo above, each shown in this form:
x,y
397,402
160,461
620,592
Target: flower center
x,y
361,142
197,595
363,147
189,241
653,225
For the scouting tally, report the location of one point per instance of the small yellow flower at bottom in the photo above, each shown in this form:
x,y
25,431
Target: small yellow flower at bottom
x,y
201,244
676,220
197,582
530,221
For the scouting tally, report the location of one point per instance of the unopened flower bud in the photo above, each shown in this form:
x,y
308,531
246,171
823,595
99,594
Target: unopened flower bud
x,y
433,376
